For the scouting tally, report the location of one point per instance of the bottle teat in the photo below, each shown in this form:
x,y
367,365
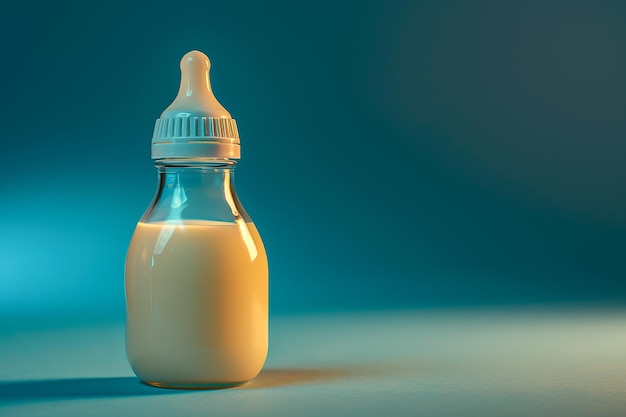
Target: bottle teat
x,y
195,94
195,125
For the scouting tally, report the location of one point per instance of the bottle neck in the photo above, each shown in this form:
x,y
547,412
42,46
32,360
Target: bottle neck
x,y
198,179
193,189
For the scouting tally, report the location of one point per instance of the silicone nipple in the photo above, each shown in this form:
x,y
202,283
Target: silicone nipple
x,y
195,96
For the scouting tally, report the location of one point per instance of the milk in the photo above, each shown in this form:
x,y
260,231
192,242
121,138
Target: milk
x,y
197,303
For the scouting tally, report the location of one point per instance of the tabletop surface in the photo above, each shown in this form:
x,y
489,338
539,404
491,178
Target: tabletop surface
x,y
490,362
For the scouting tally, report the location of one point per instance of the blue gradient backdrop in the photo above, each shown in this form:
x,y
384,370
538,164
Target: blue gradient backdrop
x,y
396,154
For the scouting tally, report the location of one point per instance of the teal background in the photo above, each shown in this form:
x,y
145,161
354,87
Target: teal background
x,y
396,154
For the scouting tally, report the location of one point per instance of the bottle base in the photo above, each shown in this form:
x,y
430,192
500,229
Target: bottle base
x,y
194,385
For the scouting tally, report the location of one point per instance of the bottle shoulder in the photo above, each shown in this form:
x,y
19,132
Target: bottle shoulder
x,y
195,195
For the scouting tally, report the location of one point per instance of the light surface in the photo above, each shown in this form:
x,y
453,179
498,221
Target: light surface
x,y
470,363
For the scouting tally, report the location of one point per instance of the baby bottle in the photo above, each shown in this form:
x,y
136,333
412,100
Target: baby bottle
x,y
196,269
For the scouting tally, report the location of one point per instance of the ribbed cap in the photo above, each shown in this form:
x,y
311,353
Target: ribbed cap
x,y
195,125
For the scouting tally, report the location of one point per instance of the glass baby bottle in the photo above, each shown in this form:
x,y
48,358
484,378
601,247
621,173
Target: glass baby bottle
x,y
196,269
